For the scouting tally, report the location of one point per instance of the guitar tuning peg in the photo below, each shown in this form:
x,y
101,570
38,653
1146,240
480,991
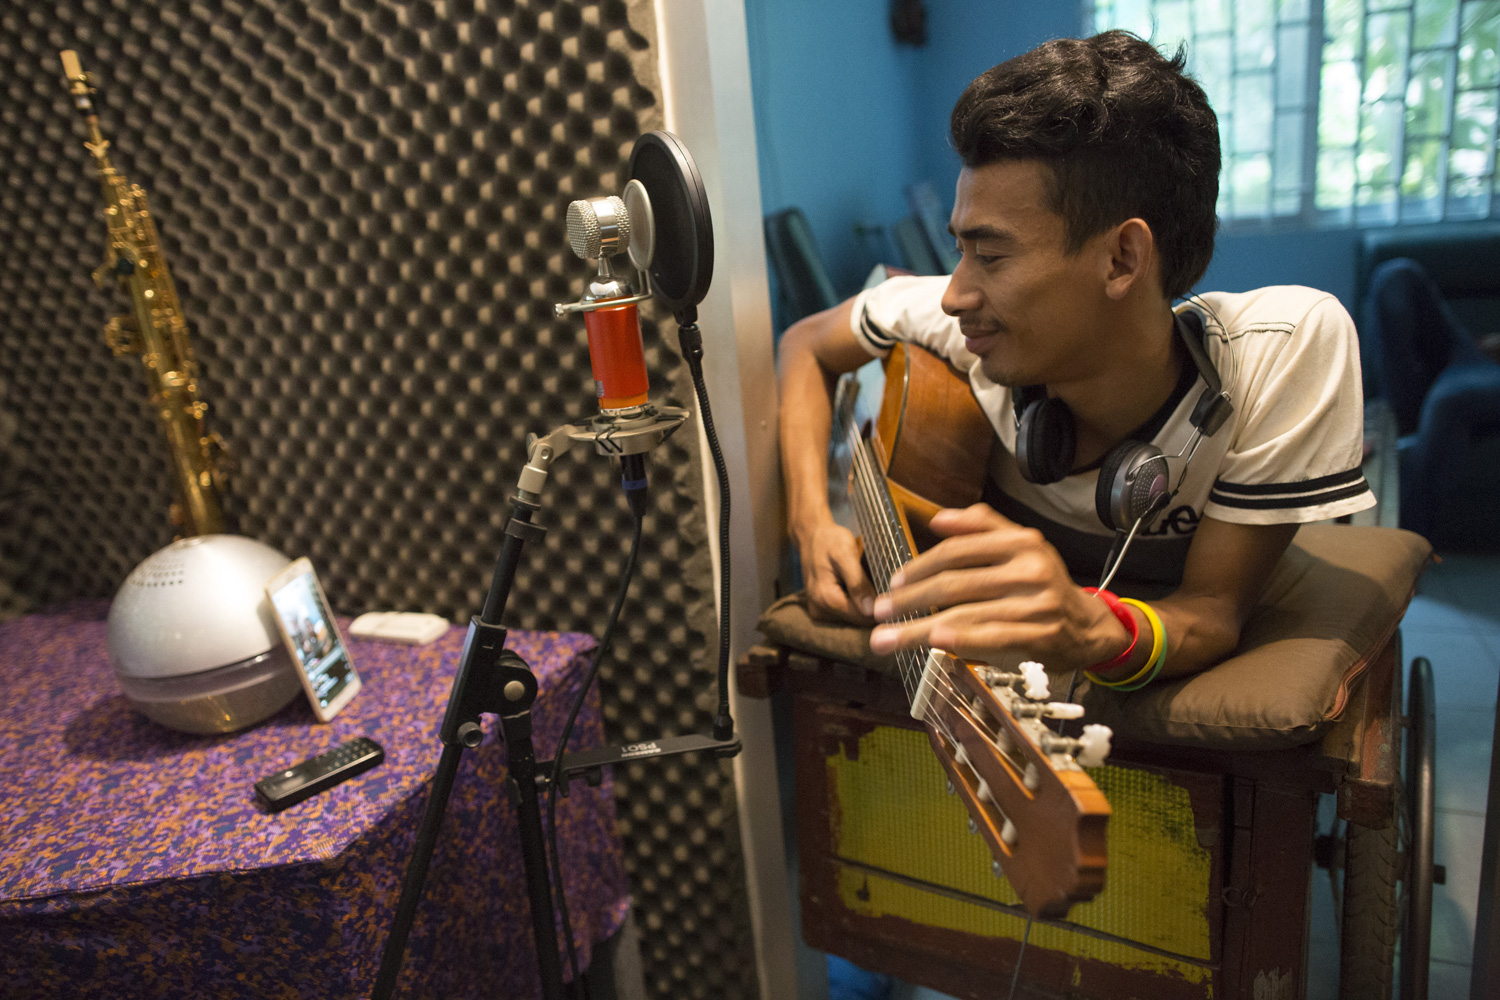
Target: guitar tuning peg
x,y
1050,710
1034,676
1093,745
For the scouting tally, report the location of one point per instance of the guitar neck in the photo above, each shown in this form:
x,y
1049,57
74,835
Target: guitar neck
x,y
887,540
1020,781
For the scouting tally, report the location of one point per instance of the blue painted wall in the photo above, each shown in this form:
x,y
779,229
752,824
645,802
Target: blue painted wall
x,y
846,118
964,40
835,119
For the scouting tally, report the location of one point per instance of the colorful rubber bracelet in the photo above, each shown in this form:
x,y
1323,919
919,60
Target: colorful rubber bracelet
x,y
1158,641
1124,684
1158,649
1125,618
1155,669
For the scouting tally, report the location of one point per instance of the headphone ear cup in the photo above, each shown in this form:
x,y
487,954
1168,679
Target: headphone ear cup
x,y
1132,480
1046,441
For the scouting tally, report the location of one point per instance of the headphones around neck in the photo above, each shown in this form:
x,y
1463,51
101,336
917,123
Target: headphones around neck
x,y
1134,479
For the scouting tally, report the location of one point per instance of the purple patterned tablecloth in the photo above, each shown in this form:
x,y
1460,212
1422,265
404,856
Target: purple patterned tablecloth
x,y
136,862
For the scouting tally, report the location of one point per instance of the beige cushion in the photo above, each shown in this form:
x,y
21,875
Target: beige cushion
x,y
1331,605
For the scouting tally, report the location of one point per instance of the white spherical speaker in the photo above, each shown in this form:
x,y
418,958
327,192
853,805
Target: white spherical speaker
x,y
193,640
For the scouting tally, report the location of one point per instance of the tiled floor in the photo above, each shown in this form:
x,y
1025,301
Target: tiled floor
x,y
1454,622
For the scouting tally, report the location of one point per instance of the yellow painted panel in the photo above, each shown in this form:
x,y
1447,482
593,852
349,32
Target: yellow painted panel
x,y
892,811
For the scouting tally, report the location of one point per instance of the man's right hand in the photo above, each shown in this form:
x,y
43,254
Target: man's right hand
x,y
833,576
813,352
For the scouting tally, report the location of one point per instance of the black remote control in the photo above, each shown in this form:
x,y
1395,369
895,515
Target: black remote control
x,y
288,787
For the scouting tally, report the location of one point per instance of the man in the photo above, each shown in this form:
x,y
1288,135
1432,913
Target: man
x,y
1084,208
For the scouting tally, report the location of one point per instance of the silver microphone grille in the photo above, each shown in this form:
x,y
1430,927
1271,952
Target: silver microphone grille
x,y
598,227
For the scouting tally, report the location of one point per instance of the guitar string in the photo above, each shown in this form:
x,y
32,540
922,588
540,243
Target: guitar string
x,y
883,557
910,663
885,547
890,557
856,471
886,557
913,665
871,489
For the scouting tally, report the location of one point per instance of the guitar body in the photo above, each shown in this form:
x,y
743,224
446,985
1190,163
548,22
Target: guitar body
x,y
931,436
1041,814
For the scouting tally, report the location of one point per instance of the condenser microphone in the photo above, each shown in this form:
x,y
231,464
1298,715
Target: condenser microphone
x,y
602,229
608,227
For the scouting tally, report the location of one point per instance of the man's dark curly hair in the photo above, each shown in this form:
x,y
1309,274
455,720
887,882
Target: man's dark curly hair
x,y
1125,133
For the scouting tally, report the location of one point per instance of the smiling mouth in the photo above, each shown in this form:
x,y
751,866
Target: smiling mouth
x,y
974,336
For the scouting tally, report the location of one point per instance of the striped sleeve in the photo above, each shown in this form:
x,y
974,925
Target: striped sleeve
x,y
909,309
1299,433
1289,496
871,337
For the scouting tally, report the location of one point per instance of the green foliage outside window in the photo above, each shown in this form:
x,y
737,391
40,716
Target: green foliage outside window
x,y
1340,111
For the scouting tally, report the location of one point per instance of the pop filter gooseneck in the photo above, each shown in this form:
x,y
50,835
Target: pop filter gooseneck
x,y
684,260
681,268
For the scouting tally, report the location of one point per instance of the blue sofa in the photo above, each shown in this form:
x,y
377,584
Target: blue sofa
x,y
1463,260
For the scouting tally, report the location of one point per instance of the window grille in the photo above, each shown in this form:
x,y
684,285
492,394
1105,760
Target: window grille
x,y
1340,112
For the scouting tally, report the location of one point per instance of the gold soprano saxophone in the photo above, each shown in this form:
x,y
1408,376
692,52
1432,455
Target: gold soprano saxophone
x,y
156,330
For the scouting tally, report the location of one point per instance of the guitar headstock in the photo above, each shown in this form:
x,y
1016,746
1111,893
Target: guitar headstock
x,y
1023,785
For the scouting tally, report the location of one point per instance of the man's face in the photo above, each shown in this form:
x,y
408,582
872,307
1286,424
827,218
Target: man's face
x,y
1029,311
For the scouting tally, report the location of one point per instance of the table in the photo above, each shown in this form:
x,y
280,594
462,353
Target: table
x,y
135,861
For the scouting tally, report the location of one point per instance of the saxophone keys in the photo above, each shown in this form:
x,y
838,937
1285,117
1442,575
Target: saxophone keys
x,y
122,336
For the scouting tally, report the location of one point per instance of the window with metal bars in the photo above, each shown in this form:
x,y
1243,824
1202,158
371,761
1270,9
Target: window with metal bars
x,y
1339,112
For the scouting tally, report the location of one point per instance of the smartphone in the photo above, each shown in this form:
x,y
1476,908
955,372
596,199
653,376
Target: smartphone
x,y
313,639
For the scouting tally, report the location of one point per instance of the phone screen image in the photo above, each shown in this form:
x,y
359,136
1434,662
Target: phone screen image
x,y
315,643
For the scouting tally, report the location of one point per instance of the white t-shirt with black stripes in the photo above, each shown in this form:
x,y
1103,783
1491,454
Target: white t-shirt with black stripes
x,y
1290,453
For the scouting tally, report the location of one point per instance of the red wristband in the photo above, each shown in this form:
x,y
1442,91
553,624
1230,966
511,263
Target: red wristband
x,y
1126,618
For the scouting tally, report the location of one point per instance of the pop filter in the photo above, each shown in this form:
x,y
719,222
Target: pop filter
x,y
684,259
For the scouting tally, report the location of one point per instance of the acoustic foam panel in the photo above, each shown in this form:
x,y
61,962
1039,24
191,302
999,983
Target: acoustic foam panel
x,y
362,204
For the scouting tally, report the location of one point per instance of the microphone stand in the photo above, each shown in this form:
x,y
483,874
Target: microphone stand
x,y
494,679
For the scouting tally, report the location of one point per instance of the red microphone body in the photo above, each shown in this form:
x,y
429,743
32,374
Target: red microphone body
x,y
617,356
599,229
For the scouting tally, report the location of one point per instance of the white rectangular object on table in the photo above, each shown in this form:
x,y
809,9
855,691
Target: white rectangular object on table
x,y
412,627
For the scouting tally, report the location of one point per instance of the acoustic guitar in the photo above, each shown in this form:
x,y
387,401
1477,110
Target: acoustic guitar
x,y
1022,782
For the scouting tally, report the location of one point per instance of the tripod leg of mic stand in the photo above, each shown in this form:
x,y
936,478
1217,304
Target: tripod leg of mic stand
x,y
416,873
523,771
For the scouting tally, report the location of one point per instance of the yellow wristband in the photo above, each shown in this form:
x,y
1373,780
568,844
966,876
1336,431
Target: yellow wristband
x,y
1153,662
1158,657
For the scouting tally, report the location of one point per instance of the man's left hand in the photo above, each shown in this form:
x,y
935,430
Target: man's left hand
x,y
995,587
